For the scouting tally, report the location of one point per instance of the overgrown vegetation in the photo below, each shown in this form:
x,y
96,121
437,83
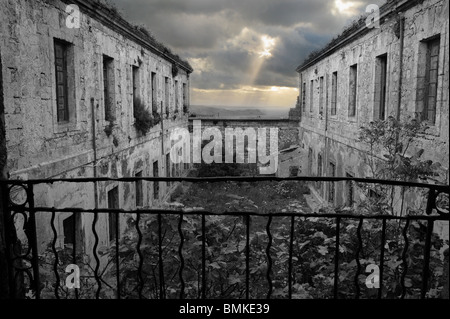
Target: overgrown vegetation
x,y
144,120
313,259
393,139
109,128
167,112
156,118
143,117
115,141
49,281
226,169
174,70
390,142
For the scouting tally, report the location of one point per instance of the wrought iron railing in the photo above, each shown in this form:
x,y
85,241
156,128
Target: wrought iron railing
x,y
25,266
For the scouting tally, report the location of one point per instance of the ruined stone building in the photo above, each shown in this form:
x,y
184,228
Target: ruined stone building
x,y
74,85
396,66
279,138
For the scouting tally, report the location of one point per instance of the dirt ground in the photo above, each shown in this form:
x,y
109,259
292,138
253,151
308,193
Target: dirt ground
x,y
260,197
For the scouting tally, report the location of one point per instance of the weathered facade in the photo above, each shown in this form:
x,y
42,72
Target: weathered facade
x,y
398,69
71,84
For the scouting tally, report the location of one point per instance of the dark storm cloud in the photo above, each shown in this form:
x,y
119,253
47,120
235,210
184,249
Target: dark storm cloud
x,y
188,31
209,33
291,50
288,13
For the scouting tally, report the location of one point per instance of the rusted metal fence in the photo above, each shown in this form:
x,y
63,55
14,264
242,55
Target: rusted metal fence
x,y
24,265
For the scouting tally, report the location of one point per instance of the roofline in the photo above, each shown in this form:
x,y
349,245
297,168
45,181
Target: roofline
x,y
399,6
122,26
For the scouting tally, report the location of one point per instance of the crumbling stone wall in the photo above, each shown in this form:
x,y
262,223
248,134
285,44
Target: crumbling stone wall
x,y
422,21
4,289
40,147
334,137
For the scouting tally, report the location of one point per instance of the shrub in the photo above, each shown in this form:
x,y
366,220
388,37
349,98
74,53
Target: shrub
x,y
174,70
115,141
109,128
154,107
156,118
227,169
143,117
394,141
177,192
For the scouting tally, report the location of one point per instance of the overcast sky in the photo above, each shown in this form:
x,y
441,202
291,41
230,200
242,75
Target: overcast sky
x,y
244,52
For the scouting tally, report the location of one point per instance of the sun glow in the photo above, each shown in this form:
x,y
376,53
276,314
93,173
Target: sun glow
x,y
259,48
268,44
346,7
246,95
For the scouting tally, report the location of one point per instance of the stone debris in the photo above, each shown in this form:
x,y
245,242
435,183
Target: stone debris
x,y
234,196
193,209
176,205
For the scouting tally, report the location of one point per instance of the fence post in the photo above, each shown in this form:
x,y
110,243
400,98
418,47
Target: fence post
x,y
444,293
4,274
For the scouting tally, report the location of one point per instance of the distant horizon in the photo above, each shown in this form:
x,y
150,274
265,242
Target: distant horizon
x,y
239,111
243,106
